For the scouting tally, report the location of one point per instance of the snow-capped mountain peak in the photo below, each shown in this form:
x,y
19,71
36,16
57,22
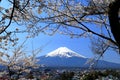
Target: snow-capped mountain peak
x,y
63,52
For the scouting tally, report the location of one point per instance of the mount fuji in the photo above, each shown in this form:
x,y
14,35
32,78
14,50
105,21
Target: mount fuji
x,y
64,52
64,57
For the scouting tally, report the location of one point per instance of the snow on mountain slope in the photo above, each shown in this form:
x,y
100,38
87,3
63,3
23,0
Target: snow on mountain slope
x,y
64,52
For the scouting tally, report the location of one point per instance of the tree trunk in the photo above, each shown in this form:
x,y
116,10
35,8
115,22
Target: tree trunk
x,y
113,15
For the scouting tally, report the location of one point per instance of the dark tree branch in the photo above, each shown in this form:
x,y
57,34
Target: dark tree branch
x,y
11,17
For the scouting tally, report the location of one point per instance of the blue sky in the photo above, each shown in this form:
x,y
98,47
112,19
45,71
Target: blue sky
x,y
79,45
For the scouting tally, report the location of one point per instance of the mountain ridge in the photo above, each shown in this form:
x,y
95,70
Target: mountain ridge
x,y
64,57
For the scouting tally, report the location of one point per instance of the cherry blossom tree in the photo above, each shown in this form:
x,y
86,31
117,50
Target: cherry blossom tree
x,y
97,19
18,61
